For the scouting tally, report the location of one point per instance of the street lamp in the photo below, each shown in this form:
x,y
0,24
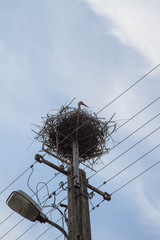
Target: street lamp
x,y
24,205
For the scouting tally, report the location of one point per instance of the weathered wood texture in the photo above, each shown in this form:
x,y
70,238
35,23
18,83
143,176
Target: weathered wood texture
x,y
78,208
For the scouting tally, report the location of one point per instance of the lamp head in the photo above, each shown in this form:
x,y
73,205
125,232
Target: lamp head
x,y
24,205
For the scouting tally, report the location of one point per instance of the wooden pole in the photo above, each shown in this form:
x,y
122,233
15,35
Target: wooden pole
x,y
78,207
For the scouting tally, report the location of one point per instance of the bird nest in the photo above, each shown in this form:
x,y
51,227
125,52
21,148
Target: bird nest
x,y
70,125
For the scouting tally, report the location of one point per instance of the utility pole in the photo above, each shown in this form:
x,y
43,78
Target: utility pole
x,y
74,136
78,207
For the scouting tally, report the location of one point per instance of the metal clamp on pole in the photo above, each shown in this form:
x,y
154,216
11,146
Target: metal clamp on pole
x,y
107,196
38,158
75,152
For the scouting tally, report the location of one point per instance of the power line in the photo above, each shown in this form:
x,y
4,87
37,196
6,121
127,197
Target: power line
x,y
90,177
146,170
58,237
102,110
17,178
46,230
139,112
129,134
26,230
136,130
93,174
19,223
6,218
31,196
115,131
112,101
43,233
15,181
115,100
99,112
12,228
23,219
121,95
128,137
132,118
125,151
34,223
97,205
129,88
40,234
129,165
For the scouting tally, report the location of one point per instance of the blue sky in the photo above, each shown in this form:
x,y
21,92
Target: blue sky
x,y
53,51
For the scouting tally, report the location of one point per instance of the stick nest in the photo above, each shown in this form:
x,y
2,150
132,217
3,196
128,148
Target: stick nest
x,y
59,131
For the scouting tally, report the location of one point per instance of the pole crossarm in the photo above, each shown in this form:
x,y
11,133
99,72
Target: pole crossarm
x,y
105,195
39,158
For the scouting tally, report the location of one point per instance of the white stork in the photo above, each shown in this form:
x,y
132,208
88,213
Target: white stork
x,y
81,103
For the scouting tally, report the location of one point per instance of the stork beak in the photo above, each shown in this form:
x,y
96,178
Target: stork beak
x,y
85,105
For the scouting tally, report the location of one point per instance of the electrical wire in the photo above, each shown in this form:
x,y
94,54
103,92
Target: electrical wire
x,y
117,190
17,178
124,152
40,234
31,196
116,145
12,228
142,110
130,120
146,170
129,88
97,113
121,154
34,193
19,221
10,185
23,218
136,131
43,233
124,124
58,237
54,193
90,177
6,218
27,230
97,205
33,224
94,207
137,160
112,101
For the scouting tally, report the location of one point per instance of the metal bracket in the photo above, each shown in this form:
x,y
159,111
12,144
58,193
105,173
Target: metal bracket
x,y
75,152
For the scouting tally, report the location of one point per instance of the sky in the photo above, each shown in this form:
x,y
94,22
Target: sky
x,y
91,50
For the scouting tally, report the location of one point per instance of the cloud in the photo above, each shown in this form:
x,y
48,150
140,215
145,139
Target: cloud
x,y
134,23
149,208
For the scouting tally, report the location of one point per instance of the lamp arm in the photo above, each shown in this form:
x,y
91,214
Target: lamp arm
x,y
58,227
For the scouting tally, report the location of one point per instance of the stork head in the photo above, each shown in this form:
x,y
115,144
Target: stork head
x,y
81,103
